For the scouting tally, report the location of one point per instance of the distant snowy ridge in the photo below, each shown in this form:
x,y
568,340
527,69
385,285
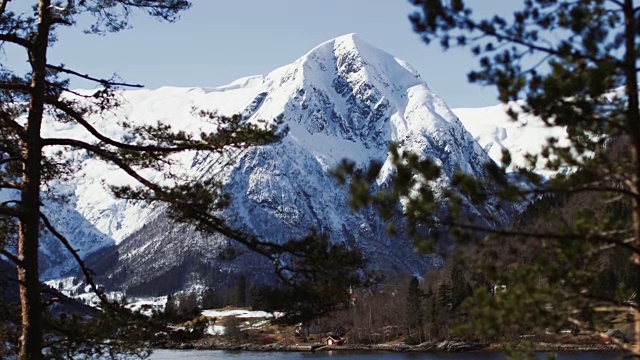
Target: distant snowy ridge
x,y
495,130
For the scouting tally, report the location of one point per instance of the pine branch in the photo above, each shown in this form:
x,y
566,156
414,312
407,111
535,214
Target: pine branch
x,y
9,185
214,222
88,274
14,39
10,159
206,220
185,146
614,244
10,211
11,257
551,236
65,89
626,304
104,154
91,78
5,119
532,47
15,87
569,190
79,118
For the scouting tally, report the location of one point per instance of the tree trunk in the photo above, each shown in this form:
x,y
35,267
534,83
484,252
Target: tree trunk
x,y
633,120
30,299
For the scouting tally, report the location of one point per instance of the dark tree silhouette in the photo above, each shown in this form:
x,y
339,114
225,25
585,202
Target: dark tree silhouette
x,y
575,65
41,95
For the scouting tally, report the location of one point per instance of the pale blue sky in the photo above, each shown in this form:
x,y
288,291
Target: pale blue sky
x,y
216,42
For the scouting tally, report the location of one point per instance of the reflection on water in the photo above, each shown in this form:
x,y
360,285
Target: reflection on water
x,y
356,355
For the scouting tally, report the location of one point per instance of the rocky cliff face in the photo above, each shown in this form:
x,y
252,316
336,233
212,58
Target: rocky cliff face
x,y
343,99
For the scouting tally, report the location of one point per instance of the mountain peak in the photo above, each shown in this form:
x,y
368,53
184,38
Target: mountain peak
x,y
349,44
355,44
351,56
352,92
347,41
351,37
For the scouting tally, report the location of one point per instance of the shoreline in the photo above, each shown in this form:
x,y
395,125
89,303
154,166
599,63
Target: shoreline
x,y
441,347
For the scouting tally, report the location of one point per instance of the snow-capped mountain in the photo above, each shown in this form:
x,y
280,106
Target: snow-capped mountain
x,y
343,99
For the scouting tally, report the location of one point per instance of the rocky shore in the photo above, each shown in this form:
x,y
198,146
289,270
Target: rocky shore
x,y
443,346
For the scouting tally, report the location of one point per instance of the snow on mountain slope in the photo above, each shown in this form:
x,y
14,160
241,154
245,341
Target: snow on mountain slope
x,y
348,99
495,130
343,99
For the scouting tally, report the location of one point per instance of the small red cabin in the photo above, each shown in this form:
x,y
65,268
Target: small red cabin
x,y
334,340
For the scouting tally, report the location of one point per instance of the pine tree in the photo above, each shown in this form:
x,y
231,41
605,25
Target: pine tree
x,y
171,307
208,299
188,305
41,95
596,53
444,297
575,65
241,291
460,288
430,312
414,308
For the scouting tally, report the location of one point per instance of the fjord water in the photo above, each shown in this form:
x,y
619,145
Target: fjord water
x,y
359,355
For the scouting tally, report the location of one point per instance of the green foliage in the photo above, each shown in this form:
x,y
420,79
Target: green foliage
x,y
29,169
414,191
73,330
24,167
9,332
41,95
575,65
106,334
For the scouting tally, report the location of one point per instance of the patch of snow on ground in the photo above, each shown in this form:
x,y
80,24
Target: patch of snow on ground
x,y
147,306
241,313
254,315
215,330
